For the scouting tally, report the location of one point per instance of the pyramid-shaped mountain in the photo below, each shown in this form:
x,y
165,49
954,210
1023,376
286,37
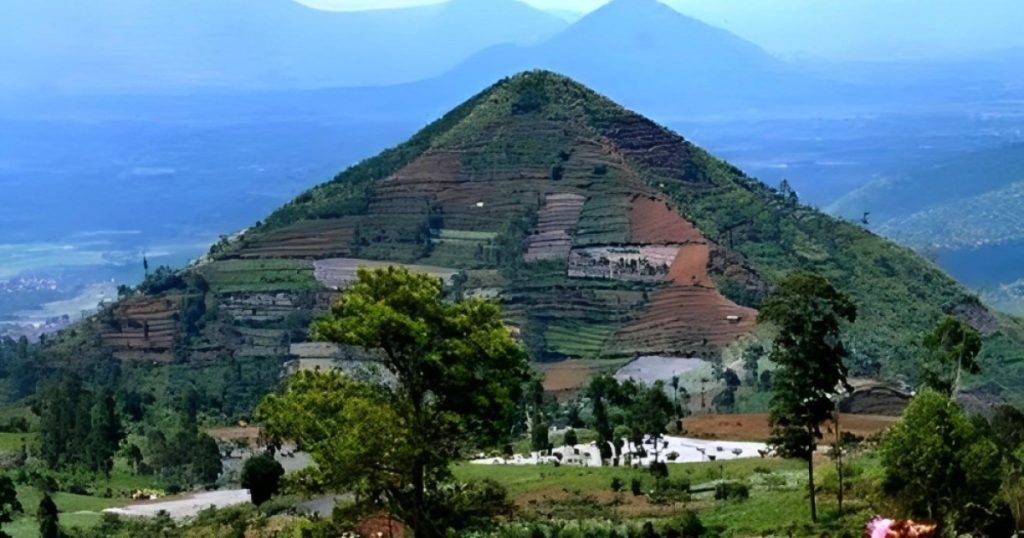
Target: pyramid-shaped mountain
x,y
603,234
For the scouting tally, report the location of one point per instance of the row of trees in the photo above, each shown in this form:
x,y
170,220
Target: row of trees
x,y
77,427
630,411
85,429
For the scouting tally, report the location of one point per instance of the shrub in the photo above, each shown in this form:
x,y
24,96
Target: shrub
x,y
571,438
617,484
659,469
687,525
636,486
261,475
731,491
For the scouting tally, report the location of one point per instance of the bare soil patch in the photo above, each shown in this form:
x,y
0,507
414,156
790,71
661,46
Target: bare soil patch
x,y
566,378
653,221
690,267
755,426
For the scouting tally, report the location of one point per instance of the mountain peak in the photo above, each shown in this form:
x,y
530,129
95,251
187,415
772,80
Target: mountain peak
x,y
603,234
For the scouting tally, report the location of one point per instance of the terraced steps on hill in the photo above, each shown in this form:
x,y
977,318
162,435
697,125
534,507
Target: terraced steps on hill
x,y
143,326
508,194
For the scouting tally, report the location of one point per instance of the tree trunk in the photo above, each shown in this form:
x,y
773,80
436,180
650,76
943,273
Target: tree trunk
x,y
421,527
810,487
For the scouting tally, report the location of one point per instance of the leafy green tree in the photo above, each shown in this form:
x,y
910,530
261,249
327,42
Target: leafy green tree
x,y
539,433
104,433
135,458
751,356
77,428
807,312
725,401
651,413
949,350
261,475
9,503
206,461
600,390
571,438
456,376
939,464
1008,426
48,518
1012,490
573,416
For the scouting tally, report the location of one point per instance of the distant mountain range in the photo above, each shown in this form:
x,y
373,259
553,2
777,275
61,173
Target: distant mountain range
x,y
174,45
648,55
968,212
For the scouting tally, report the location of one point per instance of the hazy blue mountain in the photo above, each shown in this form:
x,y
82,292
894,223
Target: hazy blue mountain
x,y
945,183
146,45
648,55
967,212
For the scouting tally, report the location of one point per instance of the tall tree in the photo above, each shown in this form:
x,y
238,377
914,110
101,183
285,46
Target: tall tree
x,y
807,312
651,413
48,518
941,465
539,433
455,373
751,355
949,350
104,434
9,503
600,391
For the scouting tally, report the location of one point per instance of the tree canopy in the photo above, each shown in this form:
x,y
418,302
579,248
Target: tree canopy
x,y
451,378
808,313
949,350
941,465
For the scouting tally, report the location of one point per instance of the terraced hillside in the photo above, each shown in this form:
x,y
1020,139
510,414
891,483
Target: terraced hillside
x,y
602,233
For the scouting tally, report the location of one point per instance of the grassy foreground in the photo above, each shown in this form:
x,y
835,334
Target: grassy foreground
x,y
777,505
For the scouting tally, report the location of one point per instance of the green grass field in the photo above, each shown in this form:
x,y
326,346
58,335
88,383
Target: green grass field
x,y
777,506
82,511
12,442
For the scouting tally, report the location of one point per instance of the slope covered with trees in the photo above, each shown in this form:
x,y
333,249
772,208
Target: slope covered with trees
x,y
603,234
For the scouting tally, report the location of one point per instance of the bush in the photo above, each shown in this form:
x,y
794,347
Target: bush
x,y
473,505
557,172
659,469
687,525
570,438
162,279
617,484
725,491
261,475
636,486
667,491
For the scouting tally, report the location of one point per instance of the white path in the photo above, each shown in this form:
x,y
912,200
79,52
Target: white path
x,y
686,450
184,508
